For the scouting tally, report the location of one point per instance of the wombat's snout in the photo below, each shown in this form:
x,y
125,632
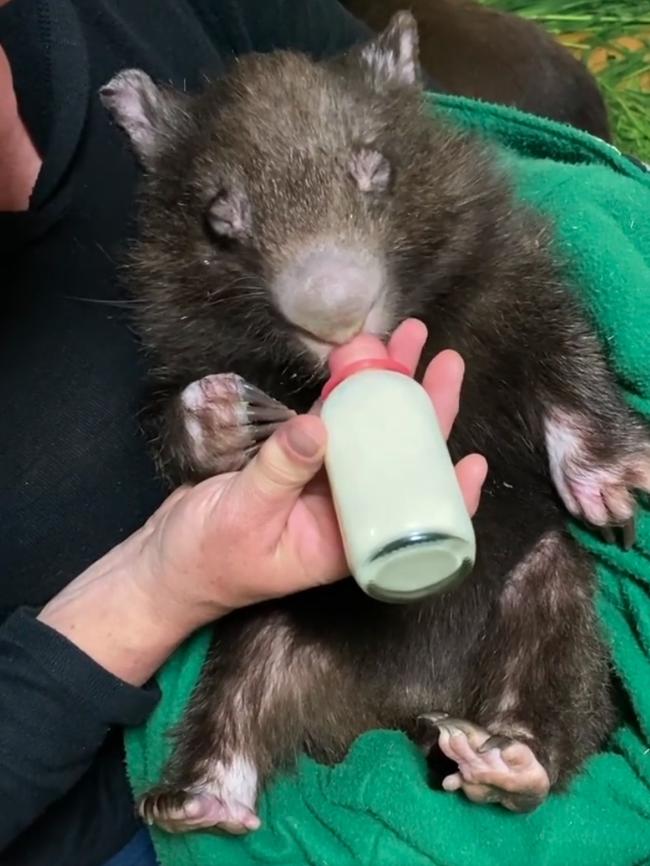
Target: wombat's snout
x,y
332,293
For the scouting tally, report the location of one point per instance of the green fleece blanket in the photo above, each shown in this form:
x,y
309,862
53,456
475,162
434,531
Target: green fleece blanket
x,y
375,808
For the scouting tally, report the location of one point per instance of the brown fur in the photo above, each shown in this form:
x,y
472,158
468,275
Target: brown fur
x,y
517,646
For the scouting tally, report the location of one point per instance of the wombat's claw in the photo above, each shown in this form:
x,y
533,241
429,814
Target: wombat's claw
x,y
492,768
608,535
187,811
433,718
496,742
604,498
262,408
629,533
426,729
226,420
627,530
598,487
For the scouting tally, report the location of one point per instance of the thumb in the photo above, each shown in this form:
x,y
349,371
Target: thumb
x,y
283,466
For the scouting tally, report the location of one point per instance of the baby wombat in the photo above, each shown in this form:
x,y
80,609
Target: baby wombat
x,y
284,209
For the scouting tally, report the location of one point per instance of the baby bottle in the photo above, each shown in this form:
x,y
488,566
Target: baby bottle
x,y
405,528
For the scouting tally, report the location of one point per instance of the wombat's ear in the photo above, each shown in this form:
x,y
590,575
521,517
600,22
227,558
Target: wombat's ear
x,y
145,112
392,57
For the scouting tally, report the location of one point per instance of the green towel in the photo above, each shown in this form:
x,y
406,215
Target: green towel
x,y
375,807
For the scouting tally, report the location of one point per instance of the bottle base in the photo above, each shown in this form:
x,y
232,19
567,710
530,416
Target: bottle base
x,y
415,567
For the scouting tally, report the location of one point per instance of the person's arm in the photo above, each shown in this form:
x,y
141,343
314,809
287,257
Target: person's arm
x,y
56,707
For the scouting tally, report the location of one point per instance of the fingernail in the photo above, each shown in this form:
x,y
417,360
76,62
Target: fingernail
x,y
302,442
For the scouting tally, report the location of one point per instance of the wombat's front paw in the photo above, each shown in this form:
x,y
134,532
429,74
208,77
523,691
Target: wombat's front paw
x,y
597,476
491,768
226,419
187,811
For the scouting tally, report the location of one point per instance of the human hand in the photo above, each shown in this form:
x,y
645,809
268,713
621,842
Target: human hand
x,y
270,529
233,540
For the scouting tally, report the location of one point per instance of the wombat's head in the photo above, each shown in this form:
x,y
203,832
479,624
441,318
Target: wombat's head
x,y
292,185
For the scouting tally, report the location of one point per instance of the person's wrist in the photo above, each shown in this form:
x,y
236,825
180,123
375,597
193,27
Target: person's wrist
x,y
113,614
181,574
164,598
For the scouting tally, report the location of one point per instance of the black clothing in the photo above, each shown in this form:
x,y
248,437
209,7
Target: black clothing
x,y
75,475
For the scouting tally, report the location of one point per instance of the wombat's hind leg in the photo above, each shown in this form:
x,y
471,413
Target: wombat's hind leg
x,y
491,768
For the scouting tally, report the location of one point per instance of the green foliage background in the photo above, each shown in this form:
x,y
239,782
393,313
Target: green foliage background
x,y
613,38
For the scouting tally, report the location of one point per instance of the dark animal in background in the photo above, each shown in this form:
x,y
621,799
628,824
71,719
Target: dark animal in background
x,y
474,50
285,208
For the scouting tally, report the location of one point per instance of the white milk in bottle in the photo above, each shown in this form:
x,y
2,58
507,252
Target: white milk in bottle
x,y
405,527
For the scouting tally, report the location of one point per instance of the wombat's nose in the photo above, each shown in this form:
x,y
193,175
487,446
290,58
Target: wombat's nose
x,y
330,291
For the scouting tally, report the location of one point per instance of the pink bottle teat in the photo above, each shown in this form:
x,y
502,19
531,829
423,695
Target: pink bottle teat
x,y
364,352
362,347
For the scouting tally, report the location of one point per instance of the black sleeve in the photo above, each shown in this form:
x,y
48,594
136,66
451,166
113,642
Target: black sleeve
x,y
56,708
